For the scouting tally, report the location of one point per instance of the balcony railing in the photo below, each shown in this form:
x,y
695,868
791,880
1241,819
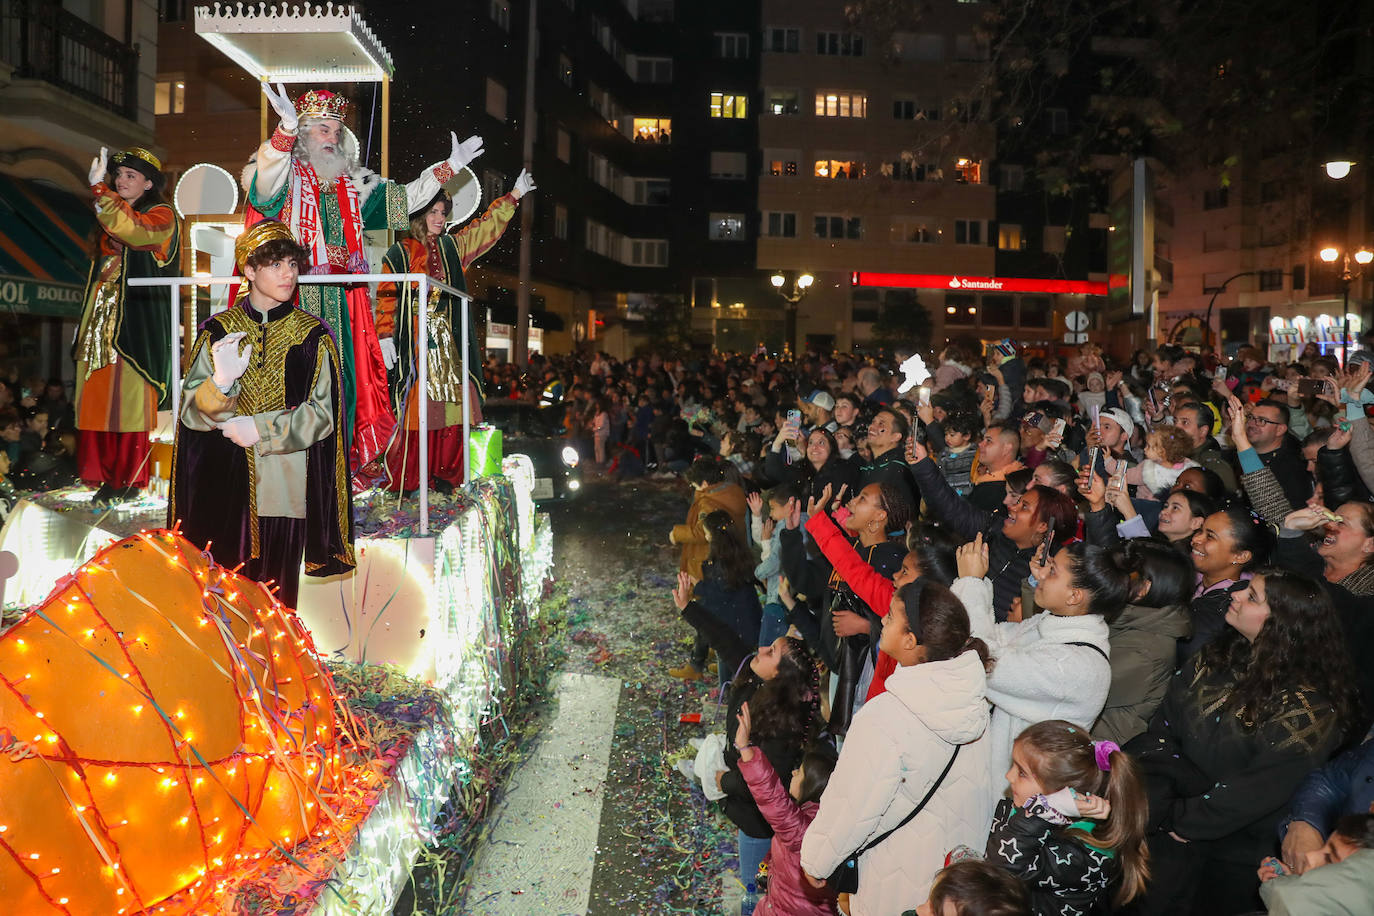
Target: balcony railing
x,y
45,42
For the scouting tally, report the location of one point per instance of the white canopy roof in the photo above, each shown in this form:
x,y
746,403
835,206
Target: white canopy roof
x,y
296,43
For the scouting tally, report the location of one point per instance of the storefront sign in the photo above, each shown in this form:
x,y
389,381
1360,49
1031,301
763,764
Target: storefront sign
x,y
35,297
981,284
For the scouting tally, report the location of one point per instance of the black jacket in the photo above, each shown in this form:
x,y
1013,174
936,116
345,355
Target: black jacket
x,y
1209,618
1210,778
1290,468
1008,564
784,753
1340,481
1064,875
891,468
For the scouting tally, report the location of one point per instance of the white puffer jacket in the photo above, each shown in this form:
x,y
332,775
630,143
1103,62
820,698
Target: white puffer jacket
x,y
897,746
1036,675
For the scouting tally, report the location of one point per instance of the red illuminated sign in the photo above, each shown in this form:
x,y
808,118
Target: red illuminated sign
x,y
978,284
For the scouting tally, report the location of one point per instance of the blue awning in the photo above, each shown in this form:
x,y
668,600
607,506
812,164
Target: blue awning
x,y
46,240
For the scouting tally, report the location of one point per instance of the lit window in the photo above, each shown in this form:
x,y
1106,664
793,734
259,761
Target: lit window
x,y
838,168
560,221
1009,237
169,97
726,227
783,101
968,171
726,105
653,130
782,162
841,105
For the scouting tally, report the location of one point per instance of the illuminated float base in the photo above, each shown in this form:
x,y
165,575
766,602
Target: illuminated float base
x,y
441,609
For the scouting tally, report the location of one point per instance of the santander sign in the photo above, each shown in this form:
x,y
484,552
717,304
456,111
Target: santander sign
x,y
989,284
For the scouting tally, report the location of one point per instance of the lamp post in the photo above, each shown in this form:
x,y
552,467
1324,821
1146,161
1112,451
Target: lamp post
x,y
1362,257
800,286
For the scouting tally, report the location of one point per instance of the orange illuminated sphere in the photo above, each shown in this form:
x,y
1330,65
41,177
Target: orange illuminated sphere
x,y
161,720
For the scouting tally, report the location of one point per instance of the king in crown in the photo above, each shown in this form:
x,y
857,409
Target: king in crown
x,y
307,175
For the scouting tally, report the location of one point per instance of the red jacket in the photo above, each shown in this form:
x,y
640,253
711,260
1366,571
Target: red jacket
x,y
789,893
869,585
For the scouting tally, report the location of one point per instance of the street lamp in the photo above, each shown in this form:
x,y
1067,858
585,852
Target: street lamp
x,y
800,286
1363,256
1337,168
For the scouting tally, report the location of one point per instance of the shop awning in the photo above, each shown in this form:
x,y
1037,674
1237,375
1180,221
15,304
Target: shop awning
x,y
45,245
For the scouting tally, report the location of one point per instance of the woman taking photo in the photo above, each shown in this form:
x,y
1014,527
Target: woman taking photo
x,y
923,737
821,466
1053,665
1241,725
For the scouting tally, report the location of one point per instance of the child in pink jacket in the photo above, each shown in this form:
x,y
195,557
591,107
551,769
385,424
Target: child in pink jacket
x,y
789,812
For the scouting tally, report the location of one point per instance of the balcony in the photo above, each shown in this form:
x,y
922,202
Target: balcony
x,y
42,41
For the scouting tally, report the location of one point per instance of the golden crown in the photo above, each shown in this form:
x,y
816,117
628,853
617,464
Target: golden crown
x,y
250,240
140,153
321,103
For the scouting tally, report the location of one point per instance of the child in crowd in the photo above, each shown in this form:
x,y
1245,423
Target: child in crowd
x,y
1074,824
789,813
1346,887
767,532
956,461
727,592
975,887
1167,451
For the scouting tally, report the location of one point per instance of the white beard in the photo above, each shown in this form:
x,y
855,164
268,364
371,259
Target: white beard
x,y
329,165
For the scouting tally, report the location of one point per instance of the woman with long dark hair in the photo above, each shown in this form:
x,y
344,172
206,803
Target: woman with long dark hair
x,y
1144,637
727,592
1242,723
123,345
820,466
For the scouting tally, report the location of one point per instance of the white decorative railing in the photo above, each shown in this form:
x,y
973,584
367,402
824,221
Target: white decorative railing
x,y
425,281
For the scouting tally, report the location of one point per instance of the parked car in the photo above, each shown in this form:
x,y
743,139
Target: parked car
x,y
529,429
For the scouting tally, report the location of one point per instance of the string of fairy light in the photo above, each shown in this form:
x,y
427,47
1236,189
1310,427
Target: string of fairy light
x,y
289,725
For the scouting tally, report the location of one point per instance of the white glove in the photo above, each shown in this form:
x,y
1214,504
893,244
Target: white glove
x,y
524,184
99,166
465,152
241,431
283,106
229,363
388,351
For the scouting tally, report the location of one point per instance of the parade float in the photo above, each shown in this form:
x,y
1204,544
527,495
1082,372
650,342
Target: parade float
x,y
175,740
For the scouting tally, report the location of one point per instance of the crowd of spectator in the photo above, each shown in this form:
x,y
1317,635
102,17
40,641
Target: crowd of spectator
x,y
1039,635
37,436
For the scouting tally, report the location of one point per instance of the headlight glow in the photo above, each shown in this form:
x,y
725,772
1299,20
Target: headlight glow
x,y
570,456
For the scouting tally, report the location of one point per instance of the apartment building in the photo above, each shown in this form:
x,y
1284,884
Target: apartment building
x,y
875,170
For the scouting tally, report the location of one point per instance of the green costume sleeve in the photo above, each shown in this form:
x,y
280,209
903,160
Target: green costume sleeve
x,y
387,208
